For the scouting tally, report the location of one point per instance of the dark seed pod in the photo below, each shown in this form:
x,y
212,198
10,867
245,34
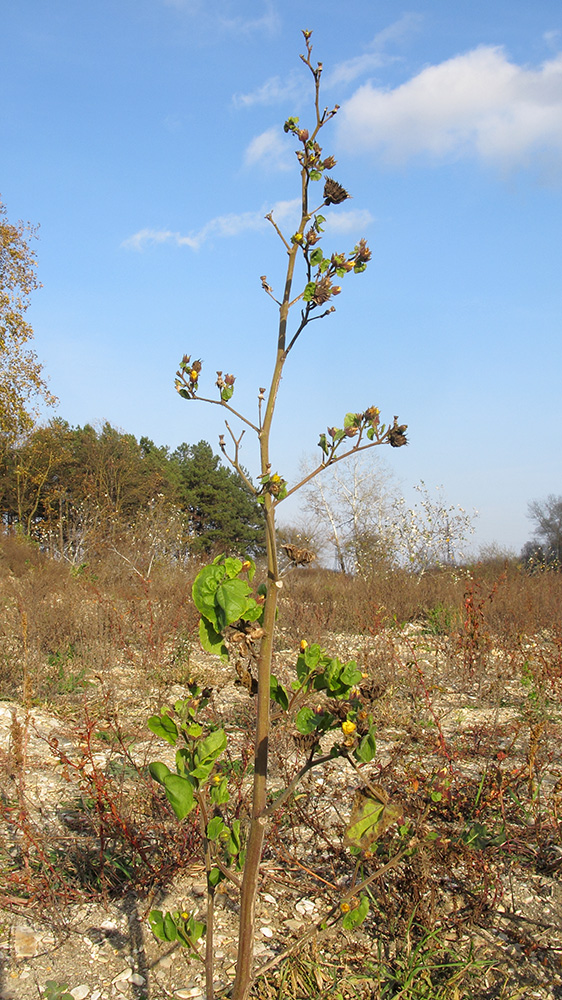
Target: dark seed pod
x,y
300,557
334,193
397,434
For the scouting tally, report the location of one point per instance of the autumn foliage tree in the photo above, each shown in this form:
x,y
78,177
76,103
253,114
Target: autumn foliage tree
x,y
22,383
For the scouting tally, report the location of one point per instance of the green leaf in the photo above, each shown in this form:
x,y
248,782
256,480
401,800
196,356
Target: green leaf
x,y
318,221
234,842
162,725
211,640
226,393
305,721
204,591
179,793
309,292
232,567
219,793
215,876
211,747
315,175
367,749
232,599
323,444
479,837
163,927
370,817
351,675
215,826
356,916
351,420
316,257
278,694
158,771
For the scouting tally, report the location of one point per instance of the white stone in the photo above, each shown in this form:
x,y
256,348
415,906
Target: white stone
x,y
80,992
96,995
137,979
122,977
266,931
26,942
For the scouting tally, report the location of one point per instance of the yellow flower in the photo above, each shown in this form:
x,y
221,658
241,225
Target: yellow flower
x,y
304,644
194,375
275,478
184,915
348,727
217,778
345,907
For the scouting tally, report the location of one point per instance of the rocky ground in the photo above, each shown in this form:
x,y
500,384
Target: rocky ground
x,y
99,945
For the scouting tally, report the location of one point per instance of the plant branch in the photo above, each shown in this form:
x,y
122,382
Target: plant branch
x,y
332,461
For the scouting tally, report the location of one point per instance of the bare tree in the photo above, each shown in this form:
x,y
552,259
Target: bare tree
x,y
546,516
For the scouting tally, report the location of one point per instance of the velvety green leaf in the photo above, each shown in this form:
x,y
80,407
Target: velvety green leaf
x,y
278,693
219,793
356,916
179,793
226,393
215,876
351,675
479,837
316,257
305,721
351,420
232,599
323,444
370,817
232,567
315,175
211,747
310,291
162,725
234,843
367,749
163,926
312,655
211,640
158,771
215,826
204,591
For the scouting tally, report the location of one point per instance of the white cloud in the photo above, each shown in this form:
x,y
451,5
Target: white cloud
x,y
269,149
267,22
477,104
374,57
285,213
351,221
222,226
273,91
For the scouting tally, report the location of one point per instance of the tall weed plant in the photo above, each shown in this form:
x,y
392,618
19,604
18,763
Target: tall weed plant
x,y
239,623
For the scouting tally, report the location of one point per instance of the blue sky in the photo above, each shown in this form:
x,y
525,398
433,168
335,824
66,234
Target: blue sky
x,y
145,137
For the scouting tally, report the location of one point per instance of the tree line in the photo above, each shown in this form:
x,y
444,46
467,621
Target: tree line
x,y
76,489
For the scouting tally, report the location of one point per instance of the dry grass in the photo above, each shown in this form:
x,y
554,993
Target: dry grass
x,y
464,683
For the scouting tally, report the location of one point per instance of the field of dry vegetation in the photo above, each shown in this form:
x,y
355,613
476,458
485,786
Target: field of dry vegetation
x,y
463,677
